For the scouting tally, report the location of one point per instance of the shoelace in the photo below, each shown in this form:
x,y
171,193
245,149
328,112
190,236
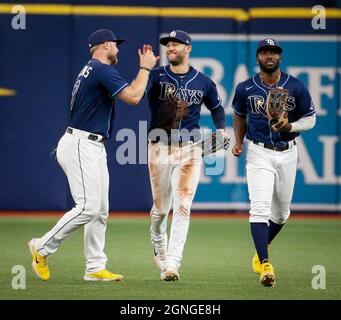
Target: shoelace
x,y
267,267
43,261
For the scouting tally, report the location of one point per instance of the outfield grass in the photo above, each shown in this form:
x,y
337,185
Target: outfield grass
x,y
216,263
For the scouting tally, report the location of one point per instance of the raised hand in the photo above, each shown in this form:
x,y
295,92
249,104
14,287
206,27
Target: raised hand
x,y
147,57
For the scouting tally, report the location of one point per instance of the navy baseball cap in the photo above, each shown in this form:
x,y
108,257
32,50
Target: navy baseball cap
x,y
101,36
177,36
269,44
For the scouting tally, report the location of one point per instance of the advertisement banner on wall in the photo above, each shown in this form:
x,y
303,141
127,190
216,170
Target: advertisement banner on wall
x,y
229,59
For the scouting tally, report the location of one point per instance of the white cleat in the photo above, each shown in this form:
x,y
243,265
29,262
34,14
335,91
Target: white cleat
x,y
160,257
169,273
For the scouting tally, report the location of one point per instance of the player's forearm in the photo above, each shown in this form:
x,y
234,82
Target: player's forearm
x,y
218,117
239,126
139,85
303,124
135,91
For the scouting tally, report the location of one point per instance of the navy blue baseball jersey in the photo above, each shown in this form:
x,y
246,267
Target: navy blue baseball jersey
x,y
194,88
92,102
249,101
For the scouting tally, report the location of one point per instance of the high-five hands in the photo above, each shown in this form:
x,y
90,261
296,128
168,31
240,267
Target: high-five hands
x,y
147,58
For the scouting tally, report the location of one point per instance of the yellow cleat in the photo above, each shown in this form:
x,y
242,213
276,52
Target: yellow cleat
x,y
39,263
103,275
256,265
267,275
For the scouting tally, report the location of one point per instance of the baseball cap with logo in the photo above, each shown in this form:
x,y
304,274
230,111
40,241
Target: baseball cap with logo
x,y
269,44
101,36
177,36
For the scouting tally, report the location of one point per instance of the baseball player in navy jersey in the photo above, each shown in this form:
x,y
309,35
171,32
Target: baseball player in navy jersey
x,y
81,153
272,153
176,93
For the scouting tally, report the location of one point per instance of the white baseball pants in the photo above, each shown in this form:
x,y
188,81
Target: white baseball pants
x,y
174,175
85,165
270,178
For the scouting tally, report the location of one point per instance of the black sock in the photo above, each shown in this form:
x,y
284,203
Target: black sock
x,y
260,235
274,228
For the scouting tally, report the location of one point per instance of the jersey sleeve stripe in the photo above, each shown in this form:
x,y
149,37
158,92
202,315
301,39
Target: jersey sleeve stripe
x,y
215,107
308,114
120,89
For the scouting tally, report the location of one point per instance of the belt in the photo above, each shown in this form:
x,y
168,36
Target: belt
x,y
287,146
90,136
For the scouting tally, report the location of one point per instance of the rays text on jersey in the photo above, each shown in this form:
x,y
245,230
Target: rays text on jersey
x,y
187,95
257,104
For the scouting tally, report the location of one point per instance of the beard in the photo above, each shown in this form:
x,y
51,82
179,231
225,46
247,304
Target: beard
x,y
176,61
269,69
112,58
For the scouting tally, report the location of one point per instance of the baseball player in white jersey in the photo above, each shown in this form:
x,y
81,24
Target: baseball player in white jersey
x,y
176,93
272,149
81,153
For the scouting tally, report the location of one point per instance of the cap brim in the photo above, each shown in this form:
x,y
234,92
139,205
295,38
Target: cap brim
x,y
165,40
270,48
119,41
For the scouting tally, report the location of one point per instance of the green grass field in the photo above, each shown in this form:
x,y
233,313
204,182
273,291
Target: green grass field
x,y
216,263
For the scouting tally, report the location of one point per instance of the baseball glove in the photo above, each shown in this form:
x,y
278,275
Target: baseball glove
x,y
217,141
276,108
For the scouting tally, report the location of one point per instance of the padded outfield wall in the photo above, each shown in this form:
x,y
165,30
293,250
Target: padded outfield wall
x,y
39,64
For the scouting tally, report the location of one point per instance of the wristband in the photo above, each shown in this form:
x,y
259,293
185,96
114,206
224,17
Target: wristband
x,y
145,68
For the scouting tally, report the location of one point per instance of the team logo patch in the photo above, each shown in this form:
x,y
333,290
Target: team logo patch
x,y
270,42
